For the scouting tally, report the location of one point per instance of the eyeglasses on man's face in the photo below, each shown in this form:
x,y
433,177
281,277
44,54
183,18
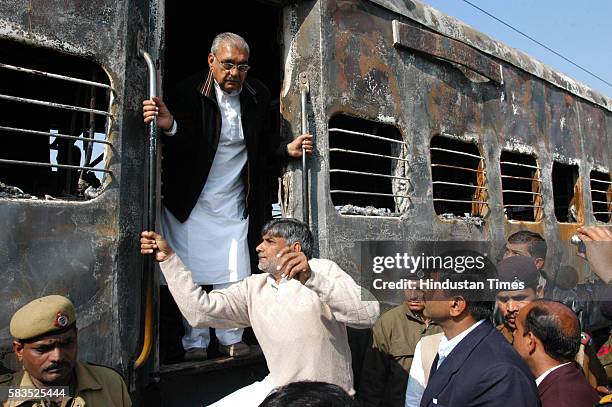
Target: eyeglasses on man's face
x,y
228,66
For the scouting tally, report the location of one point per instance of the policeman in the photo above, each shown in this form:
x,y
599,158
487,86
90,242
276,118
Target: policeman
x,y
45,342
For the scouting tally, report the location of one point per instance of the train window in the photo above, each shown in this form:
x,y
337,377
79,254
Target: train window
x,y
521,187
564,180
601,195
54,124
459,178
368,167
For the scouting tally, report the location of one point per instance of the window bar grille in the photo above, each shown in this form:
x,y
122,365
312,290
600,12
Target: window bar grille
x,y
606,193
342,191
458,184
535,167
342,150
45,133
459,168
367,135
460,201
54,105
352,152
92,124
87,140
456,152
372,174
56,76
38,164
535,187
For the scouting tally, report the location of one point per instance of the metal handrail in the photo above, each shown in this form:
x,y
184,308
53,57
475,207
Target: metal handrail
x,y
304,89
150,220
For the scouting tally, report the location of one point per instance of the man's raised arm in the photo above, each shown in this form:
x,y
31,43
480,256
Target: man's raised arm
x,y
219,309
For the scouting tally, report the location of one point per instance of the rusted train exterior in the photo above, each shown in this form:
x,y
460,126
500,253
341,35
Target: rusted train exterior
x,y
425,130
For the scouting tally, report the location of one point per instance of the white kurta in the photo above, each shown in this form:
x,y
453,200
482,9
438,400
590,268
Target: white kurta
x,y
212,242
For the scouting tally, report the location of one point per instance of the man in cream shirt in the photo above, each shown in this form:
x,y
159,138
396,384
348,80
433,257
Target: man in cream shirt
x,y
298,308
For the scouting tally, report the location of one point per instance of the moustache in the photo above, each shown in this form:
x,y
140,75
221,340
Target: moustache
x,y
55,366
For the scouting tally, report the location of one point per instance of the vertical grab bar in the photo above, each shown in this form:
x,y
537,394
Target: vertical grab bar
x,y
150,220
305,196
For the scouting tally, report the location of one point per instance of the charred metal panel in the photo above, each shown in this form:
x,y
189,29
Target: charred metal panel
x,y
87,251
347,48
435,20
52,247
445,48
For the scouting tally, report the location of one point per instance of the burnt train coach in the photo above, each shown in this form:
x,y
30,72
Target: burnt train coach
x,y
428,130
425,130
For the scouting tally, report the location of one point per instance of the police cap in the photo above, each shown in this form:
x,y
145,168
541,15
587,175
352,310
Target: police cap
x,y
43,316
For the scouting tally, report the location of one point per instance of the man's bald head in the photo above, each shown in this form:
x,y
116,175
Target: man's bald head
x,y
555,325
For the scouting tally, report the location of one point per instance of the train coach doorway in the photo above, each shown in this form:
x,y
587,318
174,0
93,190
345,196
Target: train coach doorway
x,y
188,33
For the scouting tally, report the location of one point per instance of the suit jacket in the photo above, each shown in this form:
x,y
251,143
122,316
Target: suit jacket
x,y
482,370
567,387
188,155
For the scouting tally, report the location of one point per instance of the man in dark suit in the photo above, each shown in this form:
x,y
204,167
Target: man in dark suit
x,y
475,365
548,337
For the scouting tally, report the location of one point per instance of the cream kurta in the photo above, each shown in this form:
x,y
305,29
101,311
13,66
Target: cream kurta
x,y
213,240
301,328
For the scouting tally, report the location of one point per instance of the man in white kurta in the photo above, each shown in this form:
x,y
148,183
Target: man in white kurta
x,y
205,214
220,256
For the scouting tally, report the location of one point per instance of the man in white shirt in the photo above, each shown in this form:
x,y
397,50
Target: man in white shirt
x,y
475,365
217,155
547,337
299,309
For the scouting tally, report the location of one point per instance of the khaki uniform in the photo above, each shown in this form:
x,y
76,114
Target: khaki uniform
x,y
96,386
586,358
387,363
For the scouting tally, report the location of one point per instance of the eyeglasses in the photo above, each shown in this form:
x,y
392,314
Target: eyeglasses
x,y
228,66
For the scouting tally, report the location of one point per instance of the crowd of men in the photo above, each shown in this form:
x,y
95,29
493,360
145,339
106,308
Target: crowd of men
x,y
439,347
